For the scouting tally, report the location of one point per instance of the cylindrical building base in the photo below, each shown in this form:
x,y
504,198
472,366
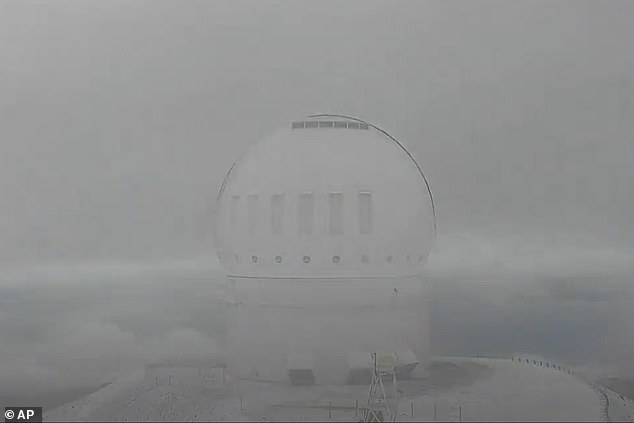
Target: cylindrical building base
x,y
321,321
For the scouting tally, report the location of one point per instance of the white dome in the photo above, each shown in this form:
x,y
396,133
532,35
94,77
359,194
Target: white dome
x,y
325,197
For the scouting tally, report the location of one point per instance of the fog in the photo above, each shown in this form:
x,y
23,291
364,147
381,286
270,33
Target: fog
x,y
119,120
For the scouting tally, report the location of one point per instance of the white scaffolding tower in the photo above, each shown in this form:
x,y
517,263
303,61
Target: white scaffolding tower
x,y
382,407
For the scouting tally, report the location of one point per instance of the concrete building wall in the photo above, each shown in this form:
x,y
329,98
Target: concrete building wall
x,y
327,318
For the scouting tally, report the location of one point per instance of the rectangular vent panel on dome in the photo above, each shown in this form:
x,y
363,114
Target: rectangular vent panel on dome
x,y
329,124
277,214
335,221
305,213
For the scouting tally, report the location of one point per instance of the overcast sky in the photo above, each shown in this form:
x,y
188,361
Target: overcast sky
x,y
118,119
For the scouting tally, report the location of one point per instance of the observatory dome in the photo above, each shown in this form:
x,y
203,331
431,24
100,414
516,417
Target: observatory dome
x,y
327,196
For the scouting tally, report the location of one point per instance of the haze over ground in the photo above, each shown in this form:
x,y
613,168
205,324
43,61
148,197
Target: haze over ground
x,y
118,121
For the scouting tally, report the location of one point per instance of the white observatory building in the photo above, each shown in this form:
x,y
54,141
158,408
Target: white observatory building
x,y
323,229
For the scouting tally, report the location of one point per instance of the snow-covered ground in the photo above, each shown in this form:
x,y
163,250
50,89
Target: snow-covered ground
x,y
621,409
468,389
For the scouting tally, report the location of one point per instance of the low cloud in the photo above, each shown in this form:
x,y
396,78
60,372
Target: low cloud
x,y
84,324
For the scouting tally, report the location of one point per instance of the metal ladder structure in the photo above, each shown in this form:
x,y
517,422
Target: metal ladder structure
x,y
381,407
